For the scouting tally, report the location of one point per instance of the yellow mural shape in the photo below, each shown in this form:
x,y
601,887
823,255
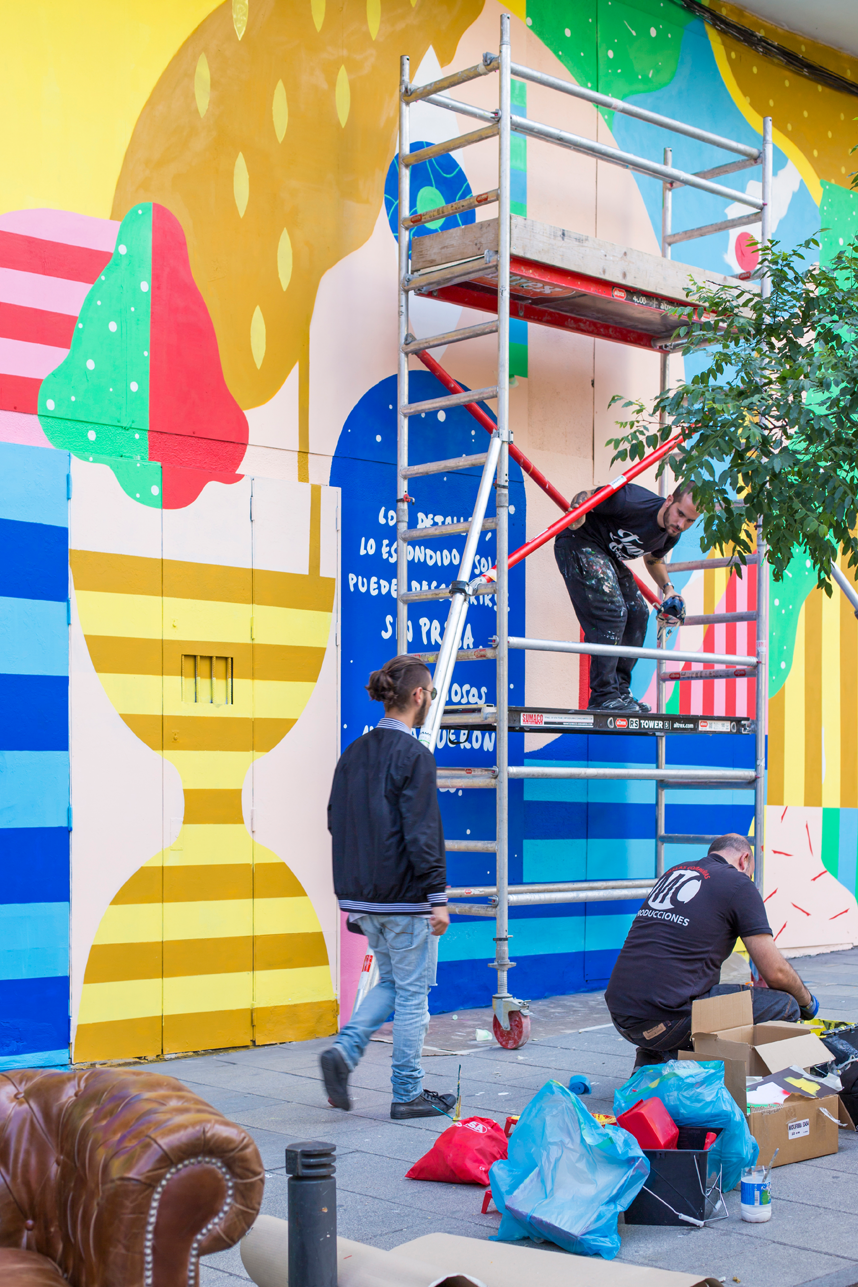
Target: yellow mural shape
x,y
317,8
280,110
815,124
316,171
373,16
240,9
241,184
80,77
202,84
284,259
257,336
343,96
213,942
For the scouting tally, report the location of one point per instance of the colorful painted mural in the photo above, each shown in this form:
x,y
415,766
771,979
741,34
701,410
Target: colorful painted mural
x,y
197,392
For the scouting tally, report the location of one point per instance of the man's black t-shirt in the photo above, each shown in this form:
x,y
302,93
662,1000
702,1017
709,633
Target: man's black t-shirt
x,y
680,938
626,525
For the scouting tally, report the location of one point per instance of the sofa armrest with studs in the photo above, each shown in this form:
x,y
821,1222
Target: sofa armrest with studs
x,y
115,1176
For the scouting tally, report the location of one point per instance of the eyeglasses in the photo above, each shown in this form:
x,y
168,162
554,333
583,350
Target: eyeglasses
x,y
433,692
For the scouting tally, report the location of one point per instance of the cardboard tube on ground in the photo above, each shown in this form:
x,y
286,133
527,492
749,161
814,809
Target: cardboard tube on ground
x,y
265,1256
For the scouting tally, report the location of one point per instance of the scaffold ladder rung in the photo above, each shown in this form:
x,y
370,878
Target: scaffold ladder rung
x,y
443,466
452,208
719,618
679,839
710,565
445,529
453,145
451,400
464,654
451,337
414,93
677,676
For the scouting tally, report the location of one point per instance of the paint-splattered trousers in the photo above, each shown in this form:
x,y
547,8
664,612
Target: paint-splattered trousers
x,y
609,607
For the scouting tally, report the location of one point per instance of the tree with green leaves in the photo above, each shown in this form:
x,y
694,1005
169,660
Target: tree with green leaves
x,y
770,423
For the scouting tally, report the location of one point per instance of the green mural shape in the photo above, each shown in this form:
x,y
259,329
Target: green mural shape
x,y
616,48
96,403
838,218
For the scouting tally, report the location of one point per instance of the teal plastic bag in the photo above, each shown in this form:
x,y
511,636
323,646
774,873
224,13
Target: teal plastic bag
x,y
566,1178
695,1095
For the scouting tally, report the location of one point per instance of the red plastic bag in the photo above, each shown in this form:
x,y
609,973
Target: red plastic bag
x,y
463,1153
650,1123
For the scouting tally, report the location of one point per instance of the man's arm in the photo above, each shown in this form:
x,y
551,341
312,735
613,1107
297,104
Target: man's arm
x,y
610,505
658,570
777,972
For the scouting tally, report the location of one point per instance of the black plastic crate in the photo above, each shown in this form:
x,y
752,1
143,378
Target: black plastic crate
x,y
677,1182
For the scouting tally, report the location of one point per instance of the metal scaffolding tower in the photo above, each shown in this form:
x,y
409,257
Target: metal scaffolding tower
x,y
562,279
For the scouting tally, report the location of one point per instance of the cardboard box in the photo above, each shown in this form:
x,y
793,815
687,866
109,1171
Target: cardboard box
x,y
800,1128
723,1028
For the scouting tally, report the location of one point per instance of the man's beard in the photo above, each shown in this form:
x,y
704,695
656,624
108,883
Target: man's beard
x,y
423,712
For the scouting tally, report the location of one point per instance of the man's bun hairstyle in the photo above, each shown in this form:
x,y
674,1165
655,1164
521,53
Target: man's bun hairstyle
x,y
396,681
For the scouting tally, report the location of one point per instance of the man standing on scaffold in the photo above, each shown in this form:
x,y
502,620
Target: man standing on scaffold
x,y
592,556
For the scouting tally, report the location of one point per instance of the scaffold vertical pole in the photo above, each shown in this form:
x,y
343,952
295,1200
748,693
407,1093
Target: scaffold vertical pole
x,y
660,743
404,235
762,675
502,507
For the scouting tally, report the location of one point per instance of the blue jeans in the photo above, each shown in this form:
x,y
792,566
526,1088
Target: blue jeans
x,y
407,956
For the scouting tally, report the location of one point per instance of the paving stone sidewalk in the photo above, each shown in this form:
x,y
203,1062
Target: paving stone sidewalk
x,y
275,1091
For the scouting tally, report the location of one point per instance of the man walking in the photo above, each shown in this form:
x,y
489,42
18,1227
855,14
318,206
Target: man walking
x,y
678,942
592,555
390,876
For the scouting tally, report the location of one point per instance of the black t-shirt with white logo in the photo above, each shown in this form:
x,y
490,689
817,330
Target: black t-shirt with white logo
x,y
680,938
626,525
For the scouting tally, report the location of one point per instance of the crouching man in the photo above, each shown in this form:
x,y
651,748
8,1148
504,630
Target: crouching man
x,y
677,944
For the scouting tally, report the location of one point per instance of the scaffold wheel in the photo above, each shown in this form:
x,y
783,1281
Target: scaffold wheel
x,y
516,1034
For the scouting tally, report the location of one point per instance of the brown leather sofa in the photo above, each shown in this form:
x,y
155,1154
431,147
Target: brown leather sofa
x,y
117,1178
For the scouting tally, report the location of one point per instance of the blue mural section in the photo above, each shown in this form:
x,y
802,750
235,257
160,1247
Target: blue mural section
x,y
34,758
437,182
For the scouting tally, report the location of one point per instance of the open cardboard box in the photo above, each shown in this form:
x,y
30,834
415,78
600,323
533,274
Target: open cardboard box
x,y
723,1028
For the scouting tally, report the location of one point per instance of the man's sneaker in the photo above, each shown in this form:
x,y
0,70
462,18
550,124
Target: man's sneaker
x,y
622,705
642,706
335,1072
429,1104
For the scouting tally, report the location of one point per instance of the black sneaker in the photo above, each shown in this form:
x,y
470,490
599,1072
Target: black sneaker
x,y
335,1072
428,1104
616,705
633,701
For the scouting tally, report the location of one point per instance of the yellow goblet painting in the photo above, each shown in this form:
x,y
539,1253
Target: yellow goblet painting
x,y
213,942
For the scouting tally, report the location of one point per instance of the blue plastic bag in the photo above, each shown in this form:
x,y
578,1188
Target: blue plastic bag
x,y
695,1095
566,1178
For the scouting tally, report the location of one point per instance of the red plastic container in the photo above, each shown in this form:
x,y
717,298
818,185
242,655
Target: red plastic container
x,y
651,1124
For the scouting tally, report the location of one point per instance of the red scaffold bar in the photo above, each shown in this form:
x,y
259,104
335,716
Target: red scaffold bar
x,y
610,489
527,465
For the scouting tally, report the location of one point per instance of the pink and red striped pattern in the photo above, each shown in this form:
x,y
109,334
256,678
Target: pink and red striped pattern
x,y
49,259
727,697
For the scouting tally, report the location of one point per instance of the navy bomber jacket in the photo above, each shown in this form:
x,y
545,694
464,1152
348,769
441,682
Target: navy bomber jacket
x,y
385,824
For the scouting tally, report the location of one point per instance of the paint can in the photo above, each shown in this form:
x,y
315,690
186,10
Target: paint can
x,y
756,1194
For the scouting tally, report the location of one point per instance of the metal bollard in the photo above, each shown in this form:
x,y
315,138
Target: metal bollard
x,y
312,1214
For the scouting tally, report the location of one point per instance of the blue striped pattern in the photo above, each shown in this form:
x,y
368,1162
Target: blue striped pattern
x,y
34,758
